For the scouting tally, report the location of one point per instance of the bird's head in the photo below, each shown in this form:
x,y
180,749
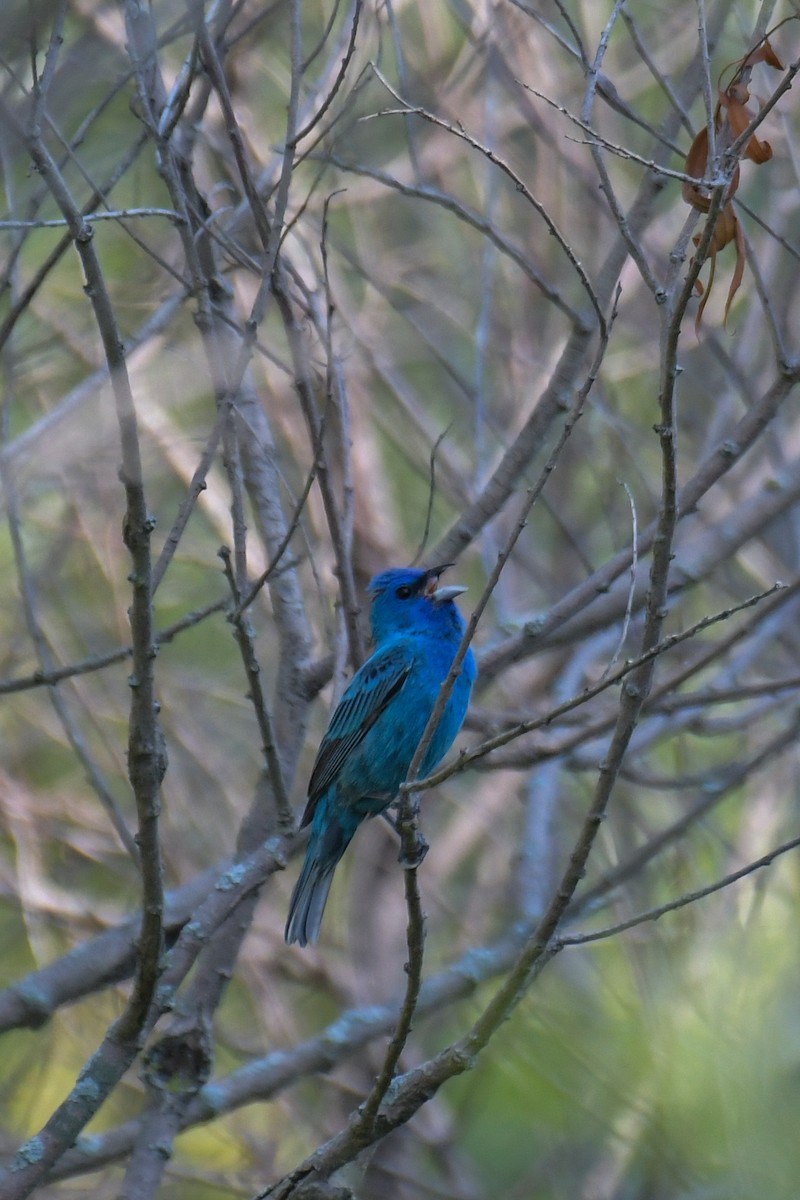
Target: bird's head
x,y
411,598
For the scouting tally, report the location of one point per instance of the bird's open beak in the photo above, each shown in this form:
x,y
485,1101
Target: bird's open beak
x,y
440,594
447,593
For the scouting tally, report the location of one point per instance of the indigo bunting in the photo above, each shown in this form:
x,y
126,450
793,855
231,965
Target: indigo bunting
x,y
376,728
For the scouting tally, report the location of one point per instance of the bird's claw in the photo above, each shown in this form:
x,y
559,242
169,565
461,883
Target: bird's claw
x,y
391,822
417,851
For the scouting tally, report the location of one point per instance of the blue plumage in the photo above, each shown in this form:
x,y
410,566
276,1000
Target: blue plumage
x,y
375,730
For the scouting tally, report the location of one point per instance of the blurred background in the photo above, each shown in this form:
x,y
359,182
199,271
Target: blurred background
x,y
382,240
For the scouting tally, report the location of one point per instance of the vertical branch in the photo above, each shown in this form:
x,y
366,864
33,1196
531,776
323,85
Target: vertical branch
x,y
146,751
147,761
363,1126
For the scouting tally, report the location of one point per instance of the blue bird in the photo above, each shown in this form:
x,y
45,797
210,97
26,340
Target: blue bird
x,y
365,754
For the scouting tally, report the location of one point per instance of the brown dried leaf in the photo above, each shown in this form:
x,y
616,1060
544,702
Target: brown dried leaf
x,y
727,230
738,93
696,163
724,231
758,151
738,272
732,108
763,53
704,301
739,117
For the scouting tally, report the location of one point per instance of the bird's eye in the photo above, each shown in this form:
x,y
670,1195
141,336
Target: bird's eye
x,y
403,592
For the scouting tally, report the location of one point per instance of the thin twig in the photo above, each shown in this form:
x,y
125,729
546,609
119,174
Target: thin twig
x,y
654,914
632,589
364,1123
503,166
113,214
245,640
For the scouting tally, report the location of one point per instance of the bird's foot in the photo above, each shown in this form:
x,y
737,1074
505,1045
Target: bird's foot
x,y
391,821
412,856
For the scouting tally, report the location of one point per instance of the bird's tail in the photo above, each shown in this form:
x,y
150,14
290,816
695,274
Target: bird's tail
x,y
325,847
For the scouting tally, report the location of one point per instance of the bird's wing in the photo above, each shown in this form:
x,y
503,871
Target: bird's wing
x,y
371,690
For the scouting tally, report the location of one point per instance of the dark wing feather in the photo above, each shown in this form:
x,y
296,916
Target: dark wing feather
x,y
371,690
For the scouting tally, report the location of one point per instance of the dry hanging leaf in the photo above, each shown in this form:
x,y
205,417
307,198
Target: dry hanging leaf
x,y
727,230
763,53
696,163
732,109
695,194
739,117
